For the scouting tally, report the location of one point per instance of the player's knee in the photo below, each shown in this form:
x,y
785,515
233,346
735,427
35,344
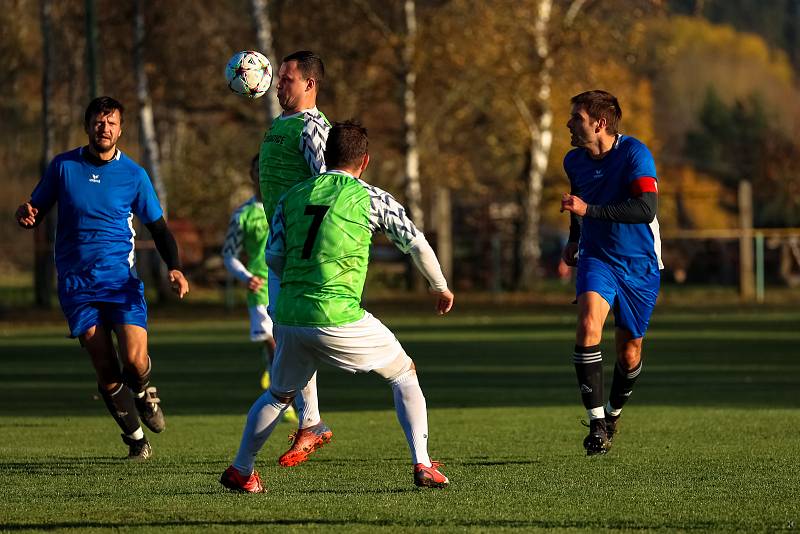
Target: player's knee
x,y
283,397
135,378
87,336
398,370
589,331
93,338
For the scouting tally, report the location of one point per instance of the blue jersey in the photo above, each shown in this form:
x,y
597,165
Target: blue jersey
x,y
94,248
612,180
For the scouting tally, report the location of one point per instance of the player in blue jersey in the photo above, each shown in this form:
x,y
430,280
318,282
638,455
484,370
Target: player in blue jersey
x,y
614,242
98,190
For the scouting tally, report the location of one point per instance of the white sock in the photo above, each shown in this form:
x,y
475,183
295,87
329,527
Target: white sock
x,y
613,411
413,415
307,404
261,420
596,413
137,434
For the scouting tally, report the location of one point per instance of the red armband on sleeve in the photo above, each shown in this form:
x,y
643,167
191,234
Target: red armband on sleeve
x,y
644,184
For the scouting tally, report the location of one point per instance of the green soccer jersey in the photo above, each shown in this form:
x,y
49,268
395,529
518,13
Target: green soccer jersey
x,y
247,232
323,229
291,151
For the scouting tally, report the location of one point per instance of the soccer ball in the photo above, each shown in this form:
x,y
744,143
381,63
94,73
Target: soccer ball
x,y
249,73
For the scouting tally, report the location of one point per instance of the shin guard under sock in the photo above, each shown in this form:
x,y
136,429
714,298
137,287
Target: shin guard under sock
x,y
589,370
122,408
622,386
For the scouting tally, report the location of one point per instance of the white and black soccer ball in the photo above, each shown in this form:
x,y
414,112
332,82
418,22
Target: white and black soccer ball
x,y
249,73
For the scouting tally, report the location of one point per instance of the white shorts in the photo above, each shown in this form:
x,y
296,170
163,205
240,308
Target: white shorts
x,y
260,323
358,347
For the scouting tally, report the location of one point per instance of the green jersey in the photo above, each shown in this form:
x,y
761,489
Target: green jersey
x,y
247,232
322,232
292,151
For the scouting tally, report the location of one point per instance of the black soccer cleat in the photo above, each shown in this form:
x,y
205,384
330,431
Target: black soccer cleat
x,y
597,440
138,449
150,413
612,426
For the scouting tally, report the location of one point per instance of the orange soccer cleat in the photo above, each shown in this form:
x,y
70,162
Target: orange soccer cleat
x,y
235,481
304,442
430,477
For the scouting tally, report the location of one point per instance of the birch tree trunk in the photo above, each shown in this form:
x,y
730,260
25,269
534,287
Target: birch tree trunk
x,y
148,141
540,128
44,234
147,130
413,191
406,49
260,12
539,151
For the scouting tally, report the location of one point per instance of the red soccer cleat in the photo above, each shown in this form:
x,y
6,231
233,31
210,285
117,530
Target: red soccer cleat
x,y
304,442
430,477
235,481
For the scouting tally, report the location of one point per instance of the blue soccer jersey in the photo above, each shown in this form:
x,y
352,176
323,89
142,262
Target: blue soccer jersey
x,y
611,180
94,249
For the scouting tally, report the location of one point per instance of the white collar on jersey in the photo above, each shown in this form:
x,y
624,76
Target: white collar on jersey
x,y
309,110
339,171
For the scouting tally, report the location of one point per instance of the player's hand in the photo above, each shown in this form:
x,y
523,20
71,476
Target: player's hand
x,y
573,204
178,283
570,254
26,215
444,301
255,283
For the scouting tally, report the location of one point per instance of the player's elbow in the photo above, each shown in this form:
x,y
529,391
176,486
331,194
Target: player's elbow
x,y
649,207
648,216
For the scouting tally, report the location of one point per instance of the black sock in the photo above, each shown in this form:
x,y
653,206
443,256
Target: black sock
x,y
135,381
589,369
622,385
120,403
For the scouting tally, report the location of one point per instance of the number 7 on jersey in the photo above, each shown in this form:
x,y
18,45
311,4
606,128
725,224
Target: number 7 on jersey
x,y
318,212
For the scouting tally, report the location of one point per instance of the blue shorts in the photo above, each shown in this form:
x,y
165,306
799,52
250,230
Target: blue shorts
x,y
125,307
630,289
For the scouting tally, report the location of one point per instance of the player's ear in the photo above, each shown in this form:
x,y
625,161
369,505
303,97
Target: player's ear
x,y
311,84
601,124
364,162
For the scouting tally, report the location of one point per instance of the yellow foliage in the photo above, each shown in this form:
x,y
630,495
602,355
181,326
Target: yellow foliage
x,y
688,199
690,55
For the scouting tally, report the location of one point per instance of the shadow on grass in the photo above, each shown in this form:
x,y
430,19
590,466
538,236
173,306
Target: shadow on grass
x,y
500,462
398,523
689,361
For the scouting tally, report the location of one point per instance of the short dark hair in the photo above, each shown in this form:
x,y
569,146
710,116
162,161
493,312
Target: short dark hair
x,y
309,64
347,143
102,105
600,105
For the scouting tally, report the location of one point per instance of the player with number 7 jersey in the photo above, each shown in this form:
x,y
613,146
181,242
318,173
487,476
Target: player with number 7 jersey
x,y
326,264
319,248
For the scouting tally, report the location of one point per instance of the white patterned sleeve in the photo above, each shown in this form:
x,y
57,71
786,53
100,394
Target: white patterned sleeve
x,y
276,244
312,143
389,217
232,249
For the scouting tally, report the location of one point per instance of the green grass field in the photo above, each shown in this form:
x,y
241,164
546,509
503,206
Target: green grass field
x,y
709,441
